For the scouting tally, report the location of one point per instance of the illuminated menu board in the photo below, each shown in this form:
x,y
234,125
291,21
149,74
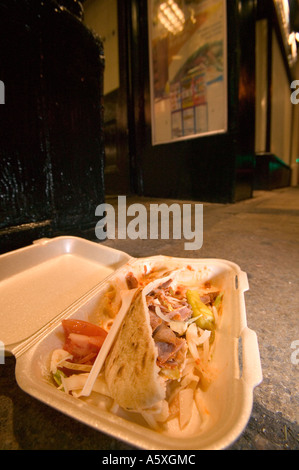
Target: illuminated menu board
x,y
188,69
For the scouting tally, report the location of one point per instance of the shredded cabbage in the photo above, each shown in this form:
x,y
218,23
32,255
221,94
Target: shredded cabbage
x,y
179,327
76,382
186,406
58,356
74,366
201,406
189,378
192,334
159,413
149,418
194,340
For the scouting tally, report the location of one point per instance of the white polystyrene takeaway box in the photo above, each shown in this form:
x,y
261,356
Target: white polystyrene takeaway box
x,y
65,277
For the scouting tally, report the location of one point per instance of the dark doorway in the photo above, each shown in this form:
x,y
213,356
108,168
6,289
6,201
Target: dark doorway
x,y
107,18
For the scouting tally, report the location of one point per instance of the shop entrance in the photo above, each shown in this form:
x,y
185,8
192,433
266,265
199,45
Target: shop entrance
x,y
104,19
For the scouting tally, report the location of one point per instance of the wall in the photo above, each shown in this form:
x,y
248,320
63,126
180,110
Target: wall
x,y
295,138
261,85
101,17
281,106
277,119
51,137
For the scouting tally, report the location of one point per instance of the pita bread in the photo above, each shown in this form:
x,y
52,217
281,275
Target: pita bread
x,y
131,372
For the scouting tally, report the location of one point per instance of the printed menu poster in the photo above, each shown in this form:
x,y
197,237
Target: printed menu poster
x,y
188,68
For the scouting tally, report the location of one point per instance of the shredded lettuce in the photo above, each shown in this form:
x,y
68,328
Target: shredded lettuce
x,y
57,357
76,382
58,377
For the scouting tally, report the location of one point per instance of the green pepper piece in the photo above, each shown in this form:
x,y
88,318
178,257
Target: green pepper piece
x,y
206,319
218,300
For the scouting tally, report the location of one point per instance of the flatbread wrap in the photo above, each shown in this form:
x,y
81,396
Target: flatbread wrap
x,y
131,371
159,363
163,343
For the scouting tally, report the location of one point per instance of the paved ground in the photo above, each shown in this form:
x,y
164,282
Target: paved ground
x,y
261,235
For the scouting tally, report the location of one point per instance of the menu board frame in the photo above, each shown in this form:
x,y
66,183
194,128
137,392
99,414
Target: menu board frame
x,y
188,70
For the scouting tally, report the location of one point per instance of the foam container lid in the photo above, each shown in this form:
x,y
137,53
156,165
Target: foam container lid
x,y
65,277
40,281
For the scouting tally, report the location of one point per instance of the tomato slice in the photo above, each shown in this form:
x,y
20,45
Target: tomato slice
x,y
82,345
82,338
82,327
